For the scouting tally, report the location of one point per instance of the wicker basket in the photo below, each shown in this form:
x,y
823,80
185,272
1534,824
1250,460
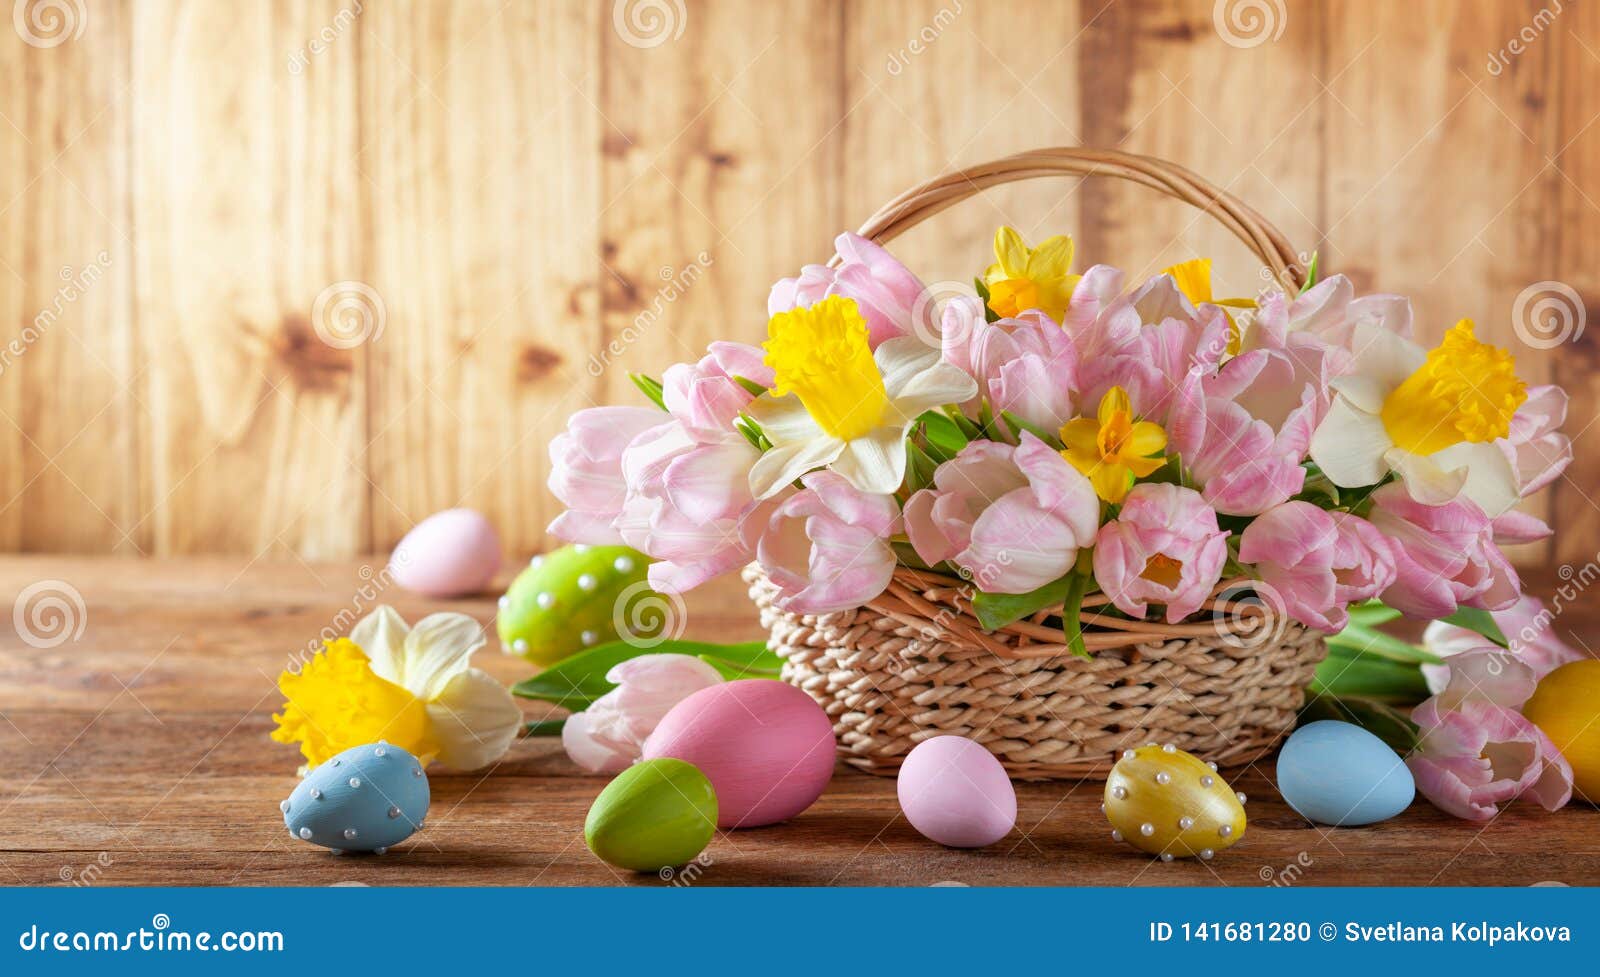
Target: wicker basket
x,y
914,663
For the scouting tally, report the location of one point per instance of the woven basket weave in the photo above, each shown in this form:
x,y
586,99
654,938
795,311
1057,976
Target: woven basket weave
x,y
914,663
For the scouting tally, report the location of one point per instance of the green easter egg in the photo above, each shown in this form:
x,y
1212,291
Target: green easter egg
x,y
577,596
657,814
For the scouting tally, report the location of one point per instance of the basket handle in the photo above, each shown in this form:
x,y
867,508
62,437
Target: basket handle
x,y
919,203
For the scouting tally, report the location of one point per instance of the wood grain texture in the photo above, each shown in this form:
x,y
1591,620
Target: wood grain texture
x,y
545,196
138,755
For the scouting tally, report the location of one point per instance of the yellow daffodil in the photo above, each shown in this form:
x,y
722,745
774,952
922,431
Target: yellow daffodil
x,y
1431,417
837,403
1193,279
1024,278
409,686
1114,449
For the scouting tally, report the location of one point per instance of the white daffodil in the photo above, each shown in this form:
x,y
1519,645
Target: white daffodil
x,y
409,686
837,404
1431,417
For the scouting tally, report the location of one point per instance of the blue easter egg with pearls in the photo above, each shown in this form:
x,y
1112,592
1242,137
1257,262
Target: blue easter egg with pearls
x,y
367,798
1339,774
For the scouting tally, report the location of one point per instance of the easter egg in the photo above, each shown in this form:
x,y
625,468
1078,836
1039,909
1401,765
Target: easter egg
x,y
365,799
448,554
577,596
766,746
955,792
1167,802
1566,706
656,814
1338,773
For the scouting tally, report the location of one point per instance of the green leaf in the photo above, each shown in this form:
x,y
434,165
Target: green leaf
x,y
1366,640
1380,719
944,436
548,727
752,659
651,388
1479,621
995,611
920,467
755,389
1018,424
1344,673
574,683
747,426
1311,273
989,315
1372,613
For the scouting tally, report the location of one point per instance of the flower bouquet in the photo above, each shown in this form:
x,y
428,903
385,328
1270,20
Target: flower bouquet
x,y
1068,513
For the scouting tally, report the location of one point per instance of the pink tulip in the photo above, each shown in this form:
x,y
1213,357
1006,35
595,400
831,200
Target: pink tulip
x,y
1330,311
586,470
1513,527
1317,562
1475,750
705,396
688,504
1011,518
826,547
1027,365
1445,556
1244,468
1535,447
890,296
610,734
1529,629
1164,548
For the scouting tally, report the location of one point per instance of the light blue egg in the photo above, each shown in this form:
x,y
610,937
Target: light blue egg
x,y
365,799
1340,774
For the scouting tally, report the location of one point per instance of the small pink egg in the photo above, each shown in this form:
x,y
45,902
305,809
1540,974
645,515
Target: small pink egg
x,y
766,747
955,792
448,554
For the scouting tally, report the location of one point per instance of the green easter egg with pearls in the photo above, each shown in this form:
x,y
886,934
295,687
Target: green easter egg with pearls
x,y
578,596
657,814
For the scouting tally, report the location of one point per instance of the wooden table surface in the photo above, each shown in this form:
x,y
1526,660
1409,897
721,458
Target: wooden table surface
x,y
137,754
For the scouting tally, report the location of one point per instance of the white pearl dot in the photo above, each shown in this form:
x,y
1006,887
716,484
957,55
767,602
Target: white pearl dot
x,y
380,752
283,806
1241,797
1225,831
545,600
421,825
587,582
380,851
1163,778
349,834
316,794
623,564
580,548
355,781
1206,781
1119,792
1128,754
1212,764
1206,853
335,762
416,771
1147,829
1185,823
336,851
1168,748
588,638
520,645
1166,856
305,834
394,812
536,561
504,603
1116,835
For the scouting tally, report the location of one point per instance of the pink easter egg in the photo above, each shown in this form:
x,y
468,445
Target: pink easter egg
x,y
766,747
955,792
448,554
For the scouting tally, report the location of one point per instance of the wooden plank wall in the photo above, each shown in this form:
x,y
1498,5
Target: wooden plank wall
x,y
313,269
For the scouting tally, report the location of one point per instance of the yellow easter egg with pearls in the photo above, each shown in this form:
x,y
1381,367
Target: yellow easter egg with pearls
x,y
1566,705
1172,804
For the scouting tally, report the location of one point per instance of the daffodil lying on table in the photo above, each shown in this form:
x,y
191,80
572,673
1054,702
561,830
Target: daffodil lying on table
x,y
1059,432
